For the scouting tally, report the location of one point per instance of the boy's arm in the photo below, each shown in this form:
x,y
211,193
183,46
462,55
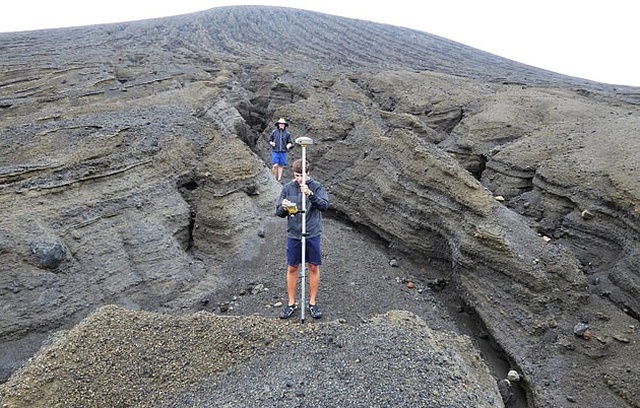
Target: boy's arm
x,y
319,198
280,210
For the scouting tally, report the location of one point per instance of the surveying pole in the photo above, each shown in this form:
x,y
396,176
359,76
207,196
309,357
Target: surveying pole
x,y
304,142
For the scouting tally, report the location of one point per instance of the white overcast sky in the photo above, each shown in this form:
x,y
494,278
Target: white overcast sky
x,y
594,40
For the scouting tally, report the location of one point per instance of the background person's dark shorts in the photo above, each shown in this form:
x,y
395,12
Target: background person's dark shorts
x,y
279,158
312,255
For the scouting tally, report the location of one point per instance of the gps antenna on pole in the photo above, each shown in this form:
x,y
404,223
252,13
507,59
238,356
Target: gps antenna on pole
x,y
304,142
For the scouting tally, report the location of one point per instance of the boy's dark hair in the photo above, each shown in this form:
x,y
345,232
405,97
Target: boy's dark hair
x,y
297,166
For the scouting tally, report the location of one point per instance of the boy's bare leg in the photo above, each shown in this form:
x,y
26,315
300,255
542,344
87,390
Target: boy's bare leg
x,y
292,283
314,282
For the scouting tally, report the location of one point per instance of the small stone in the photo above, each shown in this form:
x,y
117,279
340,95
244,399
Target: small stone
x,y
580,328
513,375
587,215
258,288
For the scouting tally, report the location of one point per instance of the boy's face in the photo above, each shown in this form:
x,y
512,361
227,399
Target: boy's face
x,y
298,177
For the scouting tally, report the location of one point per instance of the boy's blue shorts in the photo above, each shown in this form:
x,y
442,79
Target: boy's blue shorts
x,y
279,158
313,254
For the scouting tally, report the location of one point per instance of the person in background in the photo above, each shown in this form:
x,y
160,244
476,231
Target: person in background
x,y
288,206
280,141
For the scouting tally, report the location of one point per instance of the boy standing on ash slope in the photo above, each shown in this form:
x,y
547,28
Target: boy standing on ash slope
x,y
280,141
288,203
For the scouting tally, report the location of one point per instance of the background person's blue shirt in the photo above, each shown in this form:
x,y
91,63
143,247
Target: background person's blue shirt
x,y
281,138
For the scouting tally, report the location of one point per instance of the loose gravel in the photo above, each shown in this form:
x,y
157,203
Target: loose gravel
x,y
122,358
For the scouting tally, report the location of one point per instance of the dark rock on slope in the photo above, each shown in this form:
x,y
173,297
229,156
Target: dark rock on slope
x,y
135,171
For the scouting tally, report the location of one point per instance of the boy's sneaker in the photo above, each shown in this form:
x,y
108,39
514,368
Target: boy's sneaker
x,y
287,311
314,311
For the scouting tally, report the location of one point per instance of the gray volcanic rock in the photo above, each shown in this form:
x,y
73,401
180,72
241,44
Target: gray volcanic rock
x,y
135,171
